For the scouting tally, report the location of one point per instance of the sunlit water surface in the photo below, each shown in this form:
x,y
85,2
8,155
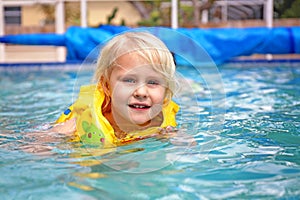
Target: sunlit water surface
x,y
247,143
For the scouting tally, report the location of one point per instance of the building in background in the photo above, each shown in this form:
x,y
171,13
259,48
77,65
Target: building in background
x,y
44,16
39,16
31,16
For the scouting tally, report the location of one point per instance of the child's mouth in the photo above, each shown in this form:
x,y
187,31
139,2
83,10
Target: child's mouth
x,y
139,106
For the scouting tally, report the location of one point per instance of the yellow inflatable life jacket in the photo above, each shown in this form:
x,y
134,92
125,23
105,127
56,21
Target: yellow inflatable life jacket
x,y
93,128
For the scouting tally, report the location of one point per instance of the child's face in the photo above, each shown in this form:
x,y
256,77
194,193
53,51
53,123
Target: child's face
x,y
137,93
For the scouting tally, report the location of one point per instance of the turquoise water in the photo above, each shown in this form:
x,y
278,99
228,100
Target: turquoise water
x,y
247,143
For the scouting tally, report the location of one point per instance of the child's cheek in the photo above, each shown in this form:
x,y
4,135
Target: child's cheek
x,y
122,92
125,89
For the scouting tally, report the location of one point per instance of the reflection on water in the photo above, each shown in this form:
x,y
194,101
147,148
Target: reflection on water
x,y
252,153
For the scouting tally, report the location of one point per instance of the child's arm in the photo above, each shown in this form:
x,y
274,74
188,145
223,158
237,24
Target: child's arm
x,y
41,140
68,127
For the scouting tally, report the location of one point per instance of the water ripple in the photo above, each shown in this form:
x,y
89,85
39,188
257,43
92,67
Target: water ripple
x,y
247,146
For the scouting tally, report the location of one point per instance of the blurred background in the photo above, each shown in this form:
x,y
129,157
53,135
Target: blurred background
x,y
56,16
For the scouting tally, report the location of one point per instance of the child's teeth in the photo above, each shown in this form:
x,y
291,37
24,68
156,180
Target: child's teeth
x,y
138,106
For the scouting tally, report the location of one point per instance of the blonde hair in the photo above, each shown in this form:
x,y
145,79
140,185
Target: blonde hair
x,y
148,47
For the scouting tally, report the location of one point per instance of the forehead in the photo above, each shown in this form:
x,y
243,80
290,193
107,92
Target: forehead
x,y
132,62
131,59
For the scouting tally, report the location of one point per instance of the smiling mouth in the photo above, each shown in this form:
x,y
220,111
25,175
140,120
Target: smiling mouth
x,y
138,106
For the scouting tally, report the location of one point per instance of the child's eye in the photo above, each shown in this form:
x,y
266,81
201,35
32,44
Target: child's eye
x,y
129,80
153,82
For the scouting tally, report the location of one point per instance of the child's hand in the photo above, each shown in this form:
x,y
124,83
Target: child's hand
x,y
176,136
168,132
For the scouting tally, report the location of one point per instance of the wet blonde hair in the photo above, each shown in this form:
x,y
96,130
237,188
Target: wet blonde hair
x,y
145,45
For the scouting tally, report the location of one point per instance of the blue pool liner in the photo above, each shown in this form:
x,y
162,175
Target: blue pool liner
x,y
221,44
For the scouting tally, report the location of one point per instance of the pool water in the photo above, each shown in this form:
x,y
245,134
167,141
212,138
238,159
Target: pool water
x,y
254,154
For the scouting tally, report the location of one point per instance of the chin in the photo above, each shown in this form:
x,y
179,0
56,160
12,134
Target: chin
x,y
142,122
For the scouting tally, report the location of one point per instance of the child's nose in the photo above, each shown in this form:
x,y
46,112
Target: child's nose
x,y
141,92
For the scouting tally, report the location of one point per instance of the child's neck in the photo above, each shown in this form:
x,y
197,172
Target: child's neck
x,y
121,131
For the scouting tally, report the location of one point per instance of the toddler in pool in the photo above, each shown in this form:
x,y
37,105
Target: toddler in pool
x,y
132,95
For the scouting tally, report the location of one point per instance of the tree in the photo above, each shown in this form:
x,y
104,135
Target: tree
x,y
293,11
287,8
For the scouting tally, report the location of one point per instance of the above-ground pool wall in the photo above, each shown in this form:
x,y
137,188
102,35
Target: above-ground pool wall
x,y
222,44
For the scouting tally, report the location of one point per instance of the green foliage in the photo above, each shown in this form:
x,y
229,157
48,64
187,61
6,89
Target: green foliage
x,y
293,11
112,16
186,14
154,20
156,16
287,8
123,23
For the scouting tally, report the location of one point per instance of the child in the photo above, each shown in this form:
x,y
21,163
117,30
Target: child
x,y
131,100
